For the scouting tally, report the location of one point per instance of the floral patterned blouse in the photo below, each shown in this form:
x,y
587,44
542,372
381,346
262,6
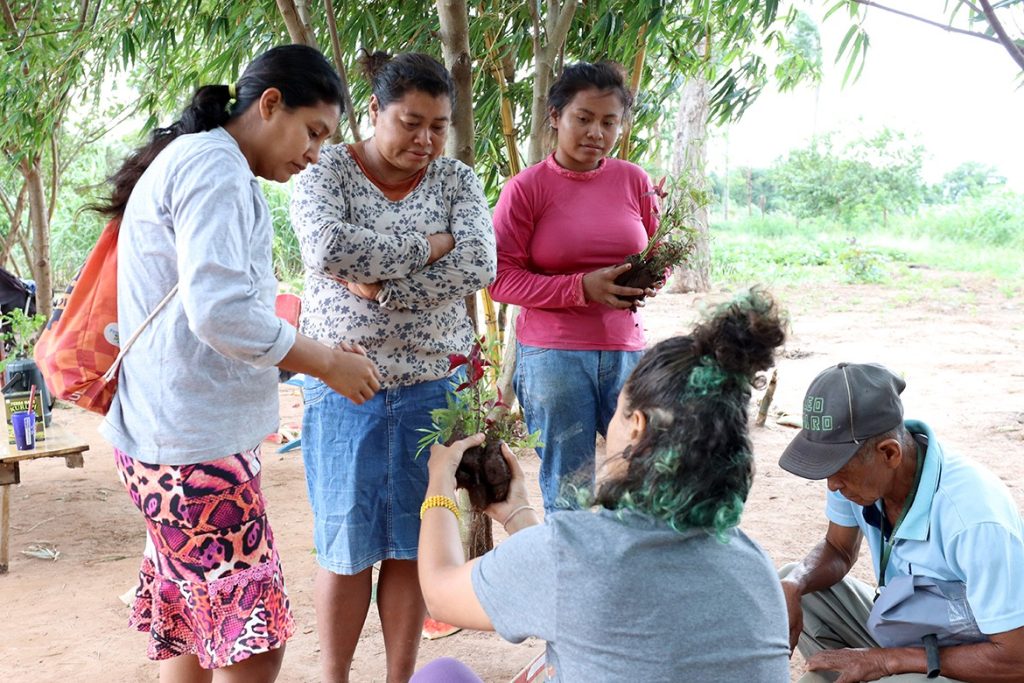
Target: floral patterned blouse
x,y
348,230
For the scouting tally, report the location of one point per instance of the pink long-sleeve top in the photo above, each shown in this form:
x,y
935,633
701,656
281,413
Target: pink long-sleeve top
x,y
553,226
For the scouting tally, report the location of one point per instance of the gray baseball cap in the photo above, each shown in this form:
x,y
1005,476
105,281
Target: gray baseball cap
x,y
844,406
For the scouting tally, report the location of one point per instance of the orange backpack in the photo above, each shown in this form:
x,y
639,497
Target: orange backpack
x,y
78,350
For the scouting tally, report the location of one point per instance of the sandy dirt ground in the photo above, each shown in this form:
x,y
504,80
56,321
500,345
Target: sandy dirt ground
x,y
958,340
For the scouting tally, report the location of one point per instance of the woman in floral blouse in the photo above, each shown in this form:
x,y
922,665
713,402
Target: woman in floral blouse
x,y
393,238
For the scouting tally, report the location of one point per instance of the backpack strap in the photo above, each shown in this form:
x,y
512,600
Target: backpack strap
x,y
112,371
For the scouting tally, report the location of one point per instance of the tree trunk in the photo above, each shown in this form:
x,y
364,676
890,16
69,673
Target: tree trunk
x,y
37,216
296,20
14,214
26,253
453,16
454,19
339,64
557,21
302,9
689,158
626,139
506,385
750,191
536,149
502,77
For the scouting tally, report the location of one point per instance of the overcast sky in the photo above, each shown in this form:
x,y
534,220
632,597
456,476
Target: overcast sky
x,y
959,96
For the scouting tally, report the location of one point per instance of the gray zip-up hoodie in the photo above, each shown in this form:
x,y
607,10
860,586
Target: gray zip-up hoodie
x,y
200,383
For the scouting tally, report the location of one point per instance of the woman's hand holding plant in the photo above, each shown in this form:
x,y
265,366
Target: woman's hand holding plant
x,y
514,512
599,285
653,290
444,460
515,509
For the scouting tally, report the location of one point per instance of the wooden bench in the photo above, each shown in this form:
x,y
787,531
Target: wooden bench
x,y
56,445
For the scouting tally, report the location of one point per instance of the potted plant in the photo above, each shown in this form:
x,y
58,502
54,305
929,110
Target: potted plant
x,y
20,371
476,406
672,244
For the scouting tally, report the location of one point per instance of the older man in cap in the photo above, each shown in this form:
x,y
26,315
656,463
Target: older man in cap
x,y
946,539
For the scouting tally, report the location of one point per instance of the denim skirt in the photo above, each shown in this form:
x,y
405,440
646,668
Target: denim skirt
x,y
364,480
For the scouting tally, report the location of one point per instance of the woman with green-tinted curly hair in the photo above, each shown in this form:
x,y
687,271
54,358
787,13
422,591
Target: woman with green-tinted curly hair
x,y
654,582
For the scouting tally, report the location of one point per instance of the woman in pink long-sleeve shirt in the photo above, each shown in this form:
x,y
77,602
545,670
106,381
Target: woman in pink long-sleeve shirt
x,y
563,229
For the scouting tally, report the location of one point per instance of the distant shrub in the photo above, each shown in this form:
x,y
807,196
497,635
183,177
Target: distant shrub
x,y
864,265
996,220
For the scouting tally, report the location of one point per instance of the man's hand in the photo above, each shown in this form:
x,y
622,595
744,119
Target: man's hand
x,y
599,285
796,613
862,664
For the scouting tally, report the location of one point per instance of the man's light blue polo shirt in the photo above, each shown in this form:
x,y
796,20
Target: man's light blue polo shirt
x,y
962,526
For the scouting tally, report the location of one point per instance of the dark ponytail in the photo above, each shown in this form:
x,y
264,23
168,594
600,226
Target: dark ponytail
x,y
693,466
302,74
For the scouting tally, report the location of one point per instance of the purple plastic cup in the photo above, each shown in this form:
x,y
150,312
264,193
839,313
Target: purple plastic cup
x,y
24,424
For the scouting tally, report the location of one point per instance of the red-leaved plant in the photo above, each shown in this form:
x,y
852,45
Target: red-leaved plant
x,y
477,406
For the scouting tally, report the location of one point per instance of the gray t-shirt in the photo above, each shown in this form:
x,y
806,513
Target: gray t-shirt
x,y
632,600
200,382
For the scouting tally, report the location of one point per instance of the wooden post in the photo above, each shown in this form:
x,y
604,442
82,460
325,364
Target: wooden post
x,y
5,527
491,328
766,400
480,536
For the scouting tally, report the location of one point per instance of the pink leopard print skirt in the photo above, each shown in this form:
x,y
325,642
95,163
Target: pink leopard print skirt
x,y
211,583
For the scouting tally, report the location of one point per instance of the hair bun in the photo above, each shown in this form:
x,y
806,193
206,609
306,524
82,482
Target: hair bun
x,y
616,68
370,63
742,334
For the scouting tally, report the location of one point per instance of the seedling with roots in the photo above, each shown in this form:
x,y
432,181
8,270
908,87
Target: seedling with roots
x,y
671,245
477,406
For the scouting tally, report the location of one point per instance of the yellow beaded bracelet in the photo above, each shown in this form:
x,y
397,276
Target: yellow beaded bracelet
x,y
439,502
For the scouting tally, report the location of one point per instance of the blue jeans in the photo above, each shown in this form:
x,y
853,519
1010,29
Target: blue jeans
x,y
570,397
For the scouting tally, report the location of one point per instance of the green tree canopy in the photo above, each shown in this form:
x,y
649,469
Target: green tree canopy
x,y
970,179
870,176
